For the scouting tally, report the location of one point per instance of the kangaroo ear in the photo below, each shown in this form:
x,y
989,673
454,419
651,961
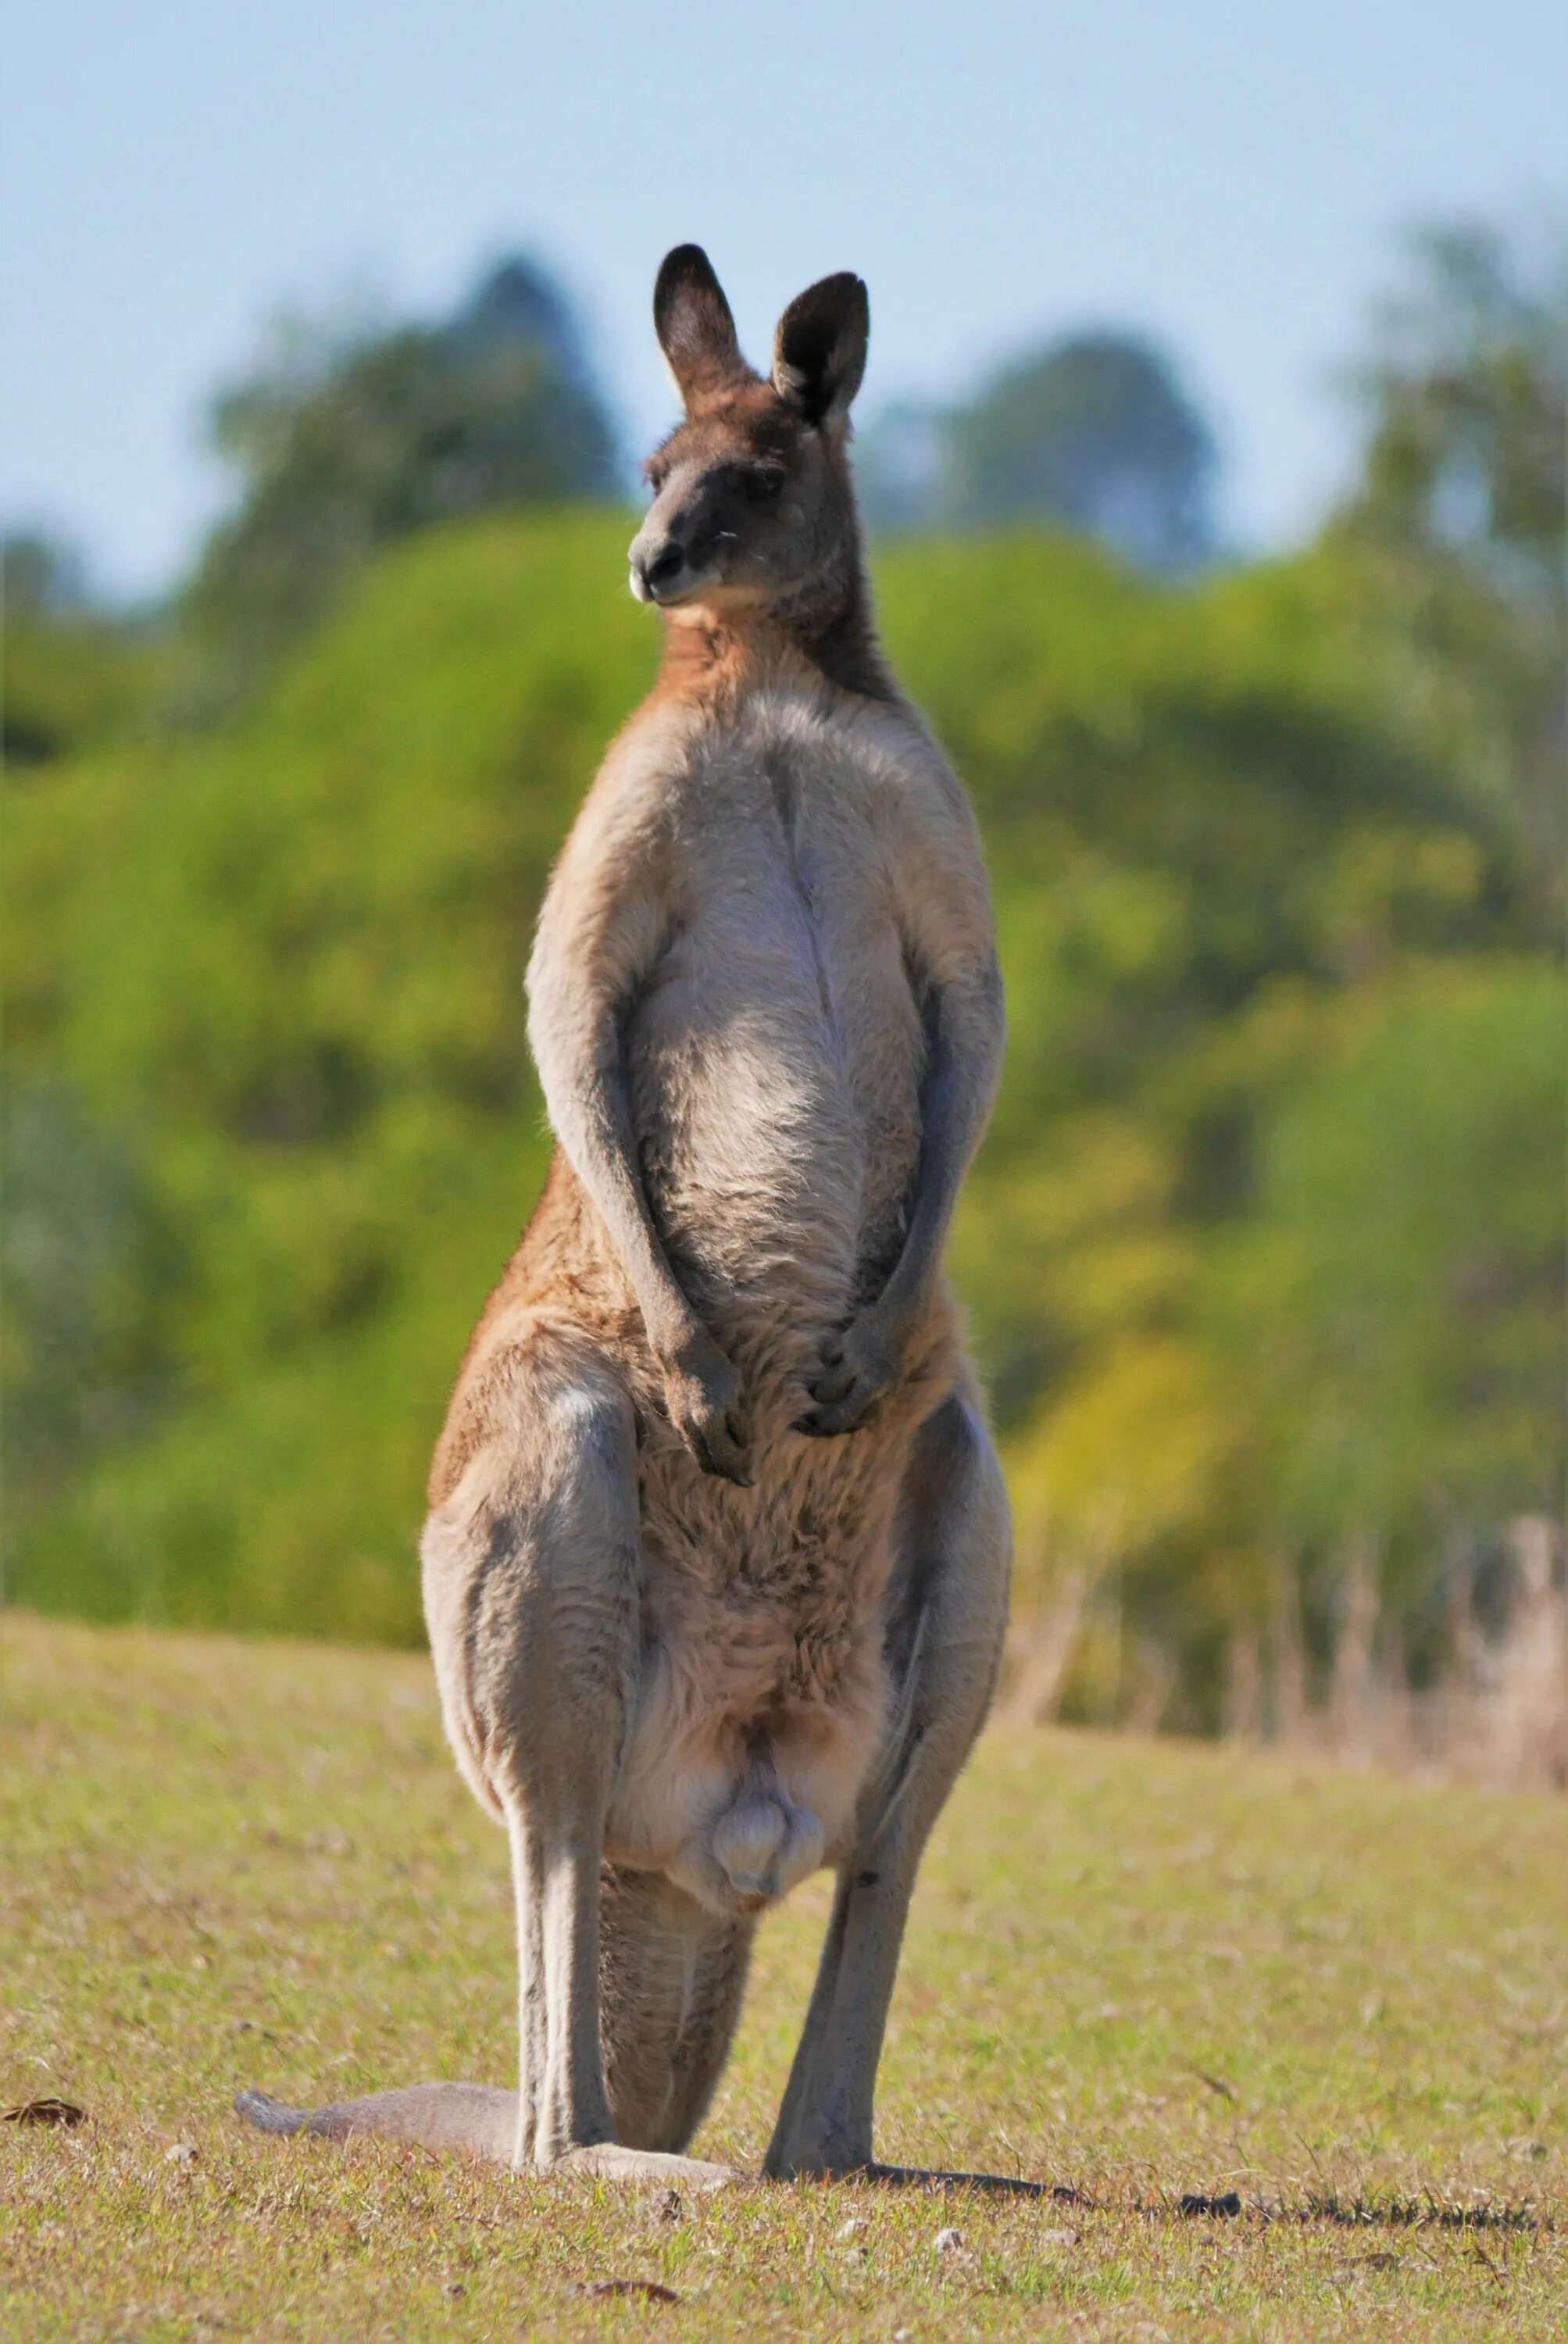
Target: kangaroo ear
x,y
693,321
819,347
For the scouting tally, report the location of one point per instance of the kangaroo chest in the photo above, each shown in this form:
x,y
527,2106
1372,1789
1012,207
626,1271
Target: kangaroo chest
x,y
776,1051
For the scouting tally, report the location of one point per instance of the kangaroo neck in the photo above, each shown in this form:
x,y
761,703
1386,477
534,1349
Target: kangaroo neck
x,y
718,656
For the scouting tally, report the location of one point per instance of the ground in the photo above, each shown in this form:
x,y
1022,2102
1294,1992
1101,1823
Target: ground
x,y
1137,1971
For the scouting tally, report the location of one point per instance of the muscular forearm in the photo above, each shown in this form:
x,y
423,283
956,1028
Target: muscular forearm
x,y
960,1084
601,930
860,1362
593,1119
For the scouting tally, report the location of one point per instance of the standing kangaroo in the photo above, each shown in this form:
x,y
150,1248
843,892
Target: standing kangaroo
x,y
716,1565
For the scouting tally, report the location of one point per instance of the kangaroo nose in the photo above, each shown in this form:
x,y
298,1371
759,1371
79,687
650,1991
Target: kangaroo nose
x,y
664,566
656,567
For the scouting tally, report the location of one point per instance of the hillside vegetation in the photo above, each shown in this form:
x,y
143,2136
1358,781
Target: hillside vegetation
x,y
1137,1972
1263,1255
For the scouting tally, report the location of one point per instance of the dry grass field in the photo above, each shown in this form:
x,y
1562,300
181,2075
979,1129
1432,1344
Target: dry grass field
x,y
1335,2004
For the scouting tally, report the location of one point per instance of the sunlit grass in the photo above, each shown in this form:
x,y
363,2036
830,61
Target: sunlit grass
x,y
1134,1970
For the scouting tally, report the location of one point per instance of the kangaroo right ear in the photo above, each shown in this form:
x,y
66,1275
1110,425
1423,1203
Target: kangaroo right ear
x,y
693,321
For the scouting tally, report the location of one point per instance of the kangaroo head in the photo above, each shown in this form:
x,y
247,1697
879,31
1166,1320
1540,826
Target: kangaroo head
x,y
752,507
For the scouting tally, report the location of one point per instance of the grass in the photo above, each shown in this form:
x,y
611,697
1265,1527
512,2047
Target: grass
x,y
1134,1970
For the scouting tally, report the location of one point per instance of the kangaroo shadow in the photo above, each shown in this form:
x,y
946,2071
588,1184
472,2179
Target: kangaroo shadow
x,y
1332,2212
936,2178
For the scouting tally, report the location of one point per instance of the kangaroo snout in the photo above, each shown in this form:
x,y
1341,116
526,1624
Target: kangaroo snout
x,y
655,568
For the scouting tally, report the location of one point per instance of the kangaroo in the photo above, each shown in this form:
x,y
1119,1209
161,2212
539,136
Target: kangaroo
x,y
716,1565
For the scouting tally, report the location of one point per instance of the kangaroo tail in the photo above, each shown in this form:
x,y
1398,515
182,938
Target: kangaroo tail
x,y
271,2116
472,2116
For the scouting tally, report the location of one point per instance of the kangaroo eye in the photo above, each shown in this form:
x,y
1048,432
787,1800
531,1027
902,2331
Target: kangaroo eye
x,y
763,485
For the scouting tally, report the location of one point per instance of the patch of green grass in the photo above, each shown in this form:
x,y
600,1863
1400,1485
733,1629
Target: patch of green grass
x,y
1134,1970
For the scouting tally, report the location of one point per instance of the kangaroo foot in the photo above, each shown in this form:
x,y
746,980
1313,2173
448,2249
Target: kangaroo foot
x,y
645,2168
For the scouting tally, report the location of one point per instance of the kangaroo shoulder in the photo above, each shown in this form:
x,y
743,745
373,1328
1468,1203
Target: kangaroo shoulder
x,y
916,795
609,901
636,790
930,841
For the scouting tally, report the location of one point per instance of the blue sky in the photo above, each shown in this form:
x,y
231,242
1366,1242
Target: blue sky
x,y
1228,177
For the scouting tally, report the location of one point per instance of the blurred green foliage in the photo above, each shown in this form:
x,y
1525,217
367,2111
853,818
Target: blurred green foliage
x,y
1393,1304
1264,1253
71,675
1259,1253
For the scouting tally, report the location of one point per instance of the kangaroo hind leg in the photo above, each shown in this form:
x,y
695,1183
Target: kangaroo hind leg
x,y
531,1597
532,1588
947,1614
672,1978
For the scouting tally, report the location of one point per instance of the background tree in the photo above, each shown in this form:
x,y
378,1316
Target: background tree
x,y
1093,434
1389,1316
344,444
1459,513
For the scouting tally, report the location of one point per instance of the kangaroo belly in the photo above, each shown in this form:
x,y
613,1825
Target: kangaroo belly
x,y
777,1062
762,1705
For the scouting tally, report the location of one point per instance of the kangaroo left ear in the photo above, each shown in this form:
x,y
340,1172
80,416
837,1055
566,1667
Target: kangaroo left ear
x,y
819,347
